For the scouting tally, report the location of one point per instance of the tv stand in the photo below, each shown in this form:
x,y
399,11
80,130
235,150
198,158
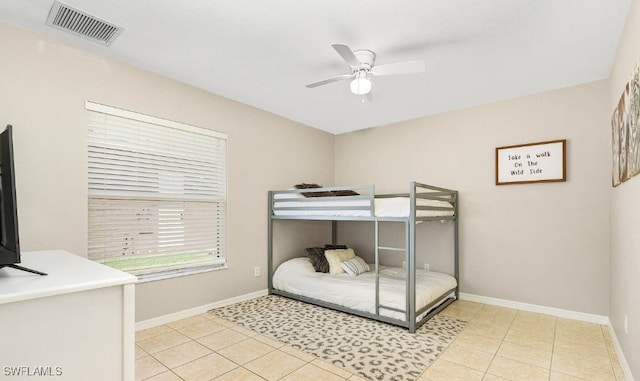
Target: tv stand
x,y
23,269
78,322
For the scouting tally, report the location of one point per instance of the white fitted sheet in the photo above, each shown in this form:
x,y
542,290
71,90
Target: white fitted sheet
x,y
297,276
384,207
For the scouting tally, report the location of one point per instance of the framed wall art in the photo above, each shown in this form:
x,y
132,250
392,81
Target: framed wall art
x,y
625,132
531,163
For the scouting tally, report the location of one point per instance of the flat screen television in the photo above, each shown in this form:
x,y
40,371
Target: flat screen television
x,y
9,241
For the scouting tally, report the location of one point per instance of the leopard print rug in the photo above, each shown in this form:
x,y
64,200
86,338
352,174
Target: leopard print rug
x,y
370,349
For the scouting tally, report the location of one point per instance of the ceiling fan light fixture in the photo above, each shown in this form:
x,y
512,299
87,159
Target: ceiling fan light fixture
x,y
363,68
361,84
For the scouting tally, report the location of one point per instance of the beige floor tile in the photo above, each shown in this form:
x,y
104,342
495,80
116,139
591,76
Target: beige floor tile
x,y
582,368
491,377
222,339
528,316
615,363
140,352
503,321
609,342
496,314
618,372
274,365
245,331
595,345
533,329
239,374
340,371
580,333
538,319
530,340
462,310
147,367
443,370
516,370
181,354
269,341
557,376
245,351
150,332
311,372
187,322
471,358
166,376
206,315
548,319
205,368
221,321
466,304
164,341
198,330
596,352
576,325
583,337
477,342
525,354
487,329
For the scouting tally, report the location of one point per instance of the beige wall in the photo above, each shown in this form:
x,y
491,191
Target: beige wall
x,y
545,244
625,216
43,87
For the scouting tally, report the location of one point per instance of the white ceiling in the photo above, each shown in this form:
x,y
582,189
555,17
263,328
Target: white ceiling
x,y
262,53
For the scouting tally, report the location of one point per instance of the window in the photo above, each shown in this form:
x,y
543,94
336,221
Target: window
x,y
157,194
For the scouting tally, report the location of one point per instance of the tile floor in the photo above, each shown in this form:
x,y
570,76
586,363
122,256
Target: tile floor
x,y
497,344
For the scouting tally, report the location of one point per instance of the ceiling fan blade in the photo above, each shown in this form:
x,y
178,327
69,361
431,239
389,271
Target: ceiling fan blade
x,y
347,54
330,80
408,67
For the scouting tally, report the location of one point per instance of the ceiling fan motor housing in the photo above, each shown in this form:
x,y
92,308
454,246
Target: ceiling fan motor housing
x,y
366,57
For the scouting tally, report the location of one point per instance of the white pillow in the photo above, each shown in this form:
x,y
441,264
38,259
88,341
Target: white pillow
x,y
355,266
281,196
334,257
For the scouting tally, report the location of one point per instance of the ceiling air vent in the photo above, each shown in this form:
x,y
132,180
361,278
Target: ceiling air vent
x,y
82,24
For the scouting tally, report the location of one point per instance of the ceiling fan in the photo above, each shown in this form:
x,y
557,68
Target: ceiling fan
x,y
362,63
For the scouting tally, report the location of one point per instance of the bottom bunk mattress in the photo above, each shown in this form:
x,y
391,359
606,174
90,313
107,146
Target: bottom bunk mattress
x,y
297,276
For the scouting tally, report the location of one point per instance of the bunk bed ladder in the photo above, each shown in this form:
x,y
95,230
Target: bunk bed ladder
x,y
409,264
410,228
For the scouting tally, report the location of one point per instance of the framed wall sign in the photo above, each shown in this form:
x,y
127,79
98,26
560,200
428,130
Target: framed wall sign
x,y
531,163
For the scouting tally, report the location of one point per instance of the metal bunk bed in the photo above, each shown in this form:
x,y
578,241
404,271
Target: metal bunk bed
x,y
289,205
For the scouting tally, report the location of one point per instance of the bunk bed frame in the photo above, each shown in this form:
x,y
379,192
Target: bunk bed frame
x,y
417,191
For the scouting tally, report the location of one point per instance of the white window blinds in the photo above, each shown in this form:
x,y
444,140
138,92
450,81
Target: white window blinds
x,y
157,193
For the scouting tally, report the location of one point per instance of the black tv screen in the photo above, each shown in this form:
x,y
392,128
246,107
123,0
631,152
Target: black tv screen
x,y
9,242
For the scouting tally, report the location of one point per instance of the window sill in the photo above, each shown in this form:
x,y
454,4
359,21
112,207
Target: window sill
x,y
178,273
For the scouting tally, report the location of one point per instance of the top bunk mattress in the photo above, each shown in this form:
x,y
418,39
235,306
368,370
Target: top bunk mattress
x,y
297,276
384,207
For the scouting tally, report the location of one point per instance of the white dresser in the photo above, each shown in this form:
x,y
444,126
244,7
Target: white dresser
x,y
76,323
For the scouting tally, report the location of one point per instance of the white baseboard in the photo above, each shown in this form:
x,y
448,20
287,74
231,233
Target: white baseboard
x,y
621,358
160,320
558,312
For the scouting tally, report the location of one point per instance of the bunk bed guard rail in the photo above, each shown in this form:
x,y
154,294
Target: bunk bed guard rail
x,y
343,202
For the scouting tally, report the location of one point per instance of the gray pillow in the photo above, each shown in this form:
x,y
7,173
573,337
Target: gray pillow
x,y
318,260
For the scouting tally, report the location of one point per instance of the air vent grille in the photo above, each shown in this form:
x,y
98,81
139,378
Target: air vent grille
x,y
82,24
